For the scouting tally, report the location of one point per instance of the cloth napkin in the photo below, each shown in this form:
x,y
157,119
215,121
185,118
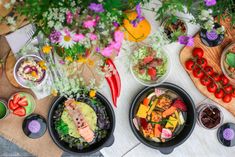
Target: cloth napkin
x,y
17,41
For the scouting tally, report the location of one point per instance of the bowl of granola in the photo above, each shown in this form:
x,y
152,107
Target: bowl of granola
x,y
30,71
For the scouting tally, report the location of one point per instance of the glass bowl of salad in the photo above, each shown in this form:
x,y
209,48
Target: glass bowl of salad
x,y
228,62
149,67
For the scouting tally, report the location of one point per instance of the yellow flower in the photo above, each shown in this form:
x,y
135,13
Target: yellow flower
x,y
42,64
68,58
54,92
46,49
91,62
92,93
81,60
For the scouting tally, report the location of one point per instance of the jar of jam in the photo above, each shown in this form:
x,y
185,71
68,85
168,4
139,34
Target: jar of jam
x,y
209,116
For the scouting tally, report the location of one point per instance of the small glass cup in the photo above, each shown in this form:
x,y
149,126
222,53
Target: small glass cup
x,y
3,109
201,111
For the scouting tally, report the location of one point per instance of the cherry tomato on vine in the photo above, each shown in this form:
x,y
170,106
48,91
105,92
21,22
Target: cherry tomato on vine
x,y
219,94
227,98
209,70
228,89
224,80
189,64
198,73
202,62
233,93
198,52
216,77
212,87
205,81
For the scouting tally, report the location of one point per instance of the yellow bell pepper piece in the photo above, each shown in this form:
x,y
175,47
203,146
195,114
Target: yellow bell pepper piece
x,y
142,112
172,123
153,106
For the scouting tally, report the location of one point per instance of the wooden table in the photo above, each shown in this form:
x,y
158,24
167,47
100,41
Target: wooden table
x,y
201,143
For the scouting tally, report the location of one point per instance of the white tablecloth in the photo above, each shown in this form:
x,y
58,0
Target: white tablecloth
x,y
202,142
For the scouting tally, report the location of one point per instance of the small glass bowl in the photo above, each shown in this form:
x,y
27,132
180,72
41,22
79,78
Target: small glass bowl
x,y
6,108
31,103
222,64
185,24
200,113
158,81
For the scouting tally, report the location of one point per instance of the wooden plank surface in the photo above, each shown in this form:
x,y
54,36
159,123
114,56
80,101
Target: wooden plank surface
x,y
213,57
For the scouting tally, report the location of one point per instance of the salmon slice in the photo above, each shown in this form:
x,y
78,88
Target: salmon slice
x,y
83,127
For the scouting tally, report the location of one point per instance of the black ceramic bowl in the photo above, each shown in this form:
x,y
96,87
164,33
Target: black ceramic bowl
x,y
167,147
106,142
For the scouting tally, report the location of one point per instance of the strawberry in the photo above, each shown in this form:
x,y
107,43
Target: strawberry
x,y
180,105
152,72
23,101
12,105
16,98
148,59
20,111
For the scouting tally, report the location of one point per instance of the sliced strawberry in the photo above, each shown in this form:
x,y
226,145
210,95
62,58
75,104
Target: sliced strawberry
x,y
20,111
12,105
23,101
16,98
152,72
180,105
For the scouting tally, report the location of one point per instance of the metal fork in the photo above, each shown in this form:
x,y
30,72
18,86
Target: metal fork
x,y
29,34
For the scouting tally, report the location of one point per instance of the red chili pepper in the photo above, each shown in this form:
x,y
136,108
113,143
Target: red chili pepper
x,y
113,87
116,76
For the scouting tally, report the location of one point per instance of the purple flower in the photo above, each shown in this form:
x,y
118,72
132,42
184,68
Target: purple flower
x,y
69,17
210,2
139,17
98,8
115,24
186,40
55,36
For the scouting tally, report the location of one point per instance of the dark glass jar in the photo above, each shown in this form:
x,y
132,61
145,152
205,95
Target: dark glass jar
x,y
211,38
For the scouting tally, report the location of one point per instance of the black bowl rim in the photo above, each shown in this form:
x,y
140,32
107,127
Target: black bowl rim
x,y
105,144
141,138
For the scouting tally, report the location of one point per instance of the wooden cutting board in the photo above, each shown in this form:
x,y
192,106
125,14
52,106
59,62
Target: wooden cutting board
x,y
10,63
213,57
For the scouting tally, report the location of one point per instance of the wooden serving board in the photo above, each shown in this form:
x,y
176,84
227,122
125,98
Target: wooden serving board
x,y
10,63
213,57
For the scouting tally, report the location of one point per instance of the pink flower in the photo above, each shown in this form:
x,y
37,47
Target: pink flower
x,y
116,45
118,36
78,37
107,51
93,36
69,17
89,23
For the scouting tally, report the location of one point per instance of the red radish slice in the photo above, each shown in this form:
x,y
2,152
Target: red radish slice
x,y
166,133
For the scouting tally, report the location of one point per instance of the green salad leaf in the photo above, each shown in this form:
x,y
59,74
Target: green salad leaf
x,y
62,127
230,59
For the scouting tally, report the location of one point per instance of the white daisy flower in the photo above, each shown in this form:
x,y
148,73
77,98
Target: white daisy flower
x,y
67,39
7,5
